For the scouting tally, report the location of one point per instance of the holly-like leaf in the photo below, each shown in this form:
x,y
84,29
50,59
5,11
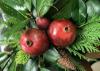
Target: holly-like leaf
x,y
42,6
93,7
21,57
11,11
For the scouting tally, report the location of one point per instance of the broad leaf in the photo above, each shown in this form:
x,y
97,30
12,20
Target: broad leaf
x,y
12,67
13,3
42,6
93,7
44,69
82,11
11,11
65,11
3,59
28,4
31,65
70,9
51,55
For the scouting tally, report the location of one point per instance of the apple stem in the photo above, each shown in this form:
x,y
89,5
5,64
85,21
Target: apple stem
x,y
29,43
66,29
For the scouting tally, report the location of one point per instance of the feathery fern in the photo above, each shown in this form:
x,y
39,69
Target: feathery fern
x,y
88,38
21,57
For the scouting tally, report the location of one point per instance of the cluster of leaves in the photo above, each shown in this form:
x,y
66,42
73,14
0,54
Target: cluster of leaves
x,y
84,13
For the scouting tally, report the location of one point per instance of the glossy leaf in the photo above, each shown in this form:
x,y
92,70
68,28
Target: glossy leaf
x,y
13,3
31,65
93,7
3,59
65,11
82,11
72,9
42,6
44,69
12,66
79,12
11,11
57,6
28,4
51,55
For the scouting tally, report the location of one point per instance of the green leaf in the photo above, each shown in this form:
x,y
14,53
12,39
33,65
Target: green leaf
x,y
65,11
70,9
82,11
19,67
57,6
44,69
17,27
31,65
3,58
28,4
12,66
42,6
14,3
21,57
93,7
11,11
51,55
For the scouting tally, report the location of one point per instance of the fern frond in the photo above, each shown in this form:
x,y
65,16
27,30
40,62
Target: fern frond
x,y
21,57
76,53
88,37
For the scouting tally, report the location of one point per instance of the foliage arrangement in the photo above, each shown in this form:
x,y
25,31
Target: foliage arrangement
x,y
19,15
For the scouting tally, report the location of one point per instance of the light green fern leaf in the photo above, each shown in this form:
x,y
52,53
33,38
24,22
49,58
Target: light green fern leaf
x,y
88,37
21,57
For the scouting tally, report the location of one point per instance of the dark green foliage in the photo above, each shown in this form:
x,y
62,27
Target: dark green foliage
x,y
84,13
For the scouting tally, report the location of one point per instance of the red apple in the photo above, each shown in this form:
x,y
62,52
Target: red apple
x,y
34,42
42,23
62,32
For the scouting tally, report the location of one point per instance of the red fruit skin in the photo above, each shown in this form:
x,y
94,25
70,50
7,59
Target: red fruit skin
x,y
42,23
39,41
62,32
